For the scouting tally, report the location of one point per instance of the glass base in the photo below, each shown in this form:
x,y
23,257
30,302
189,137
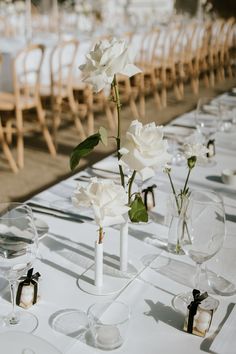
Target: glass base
x,y
71,322
220,285
26,322
181,301
174,249
209,163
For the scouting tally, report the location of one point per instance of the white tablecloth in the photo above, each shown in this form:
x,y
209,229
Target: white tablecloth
x,y
68,250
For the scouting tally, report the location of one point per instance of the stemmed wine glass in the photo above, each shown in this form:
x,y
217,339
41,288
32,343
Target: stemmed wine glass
x,y
207,120
18,250
206,226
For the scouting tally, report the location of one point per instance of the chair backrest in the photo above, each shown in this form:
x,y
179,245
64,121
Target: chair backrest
x,y
147,45
61,66
26,71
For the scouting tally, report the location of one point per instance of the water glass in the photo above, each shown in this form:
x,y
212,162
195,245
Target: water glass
x,y
109,324
220,270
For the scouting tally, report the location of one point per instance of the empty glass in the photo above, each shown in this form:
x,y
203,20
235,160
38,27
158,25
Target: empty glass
x,y
227,115
207,120
18,250
206,226
109,324
220,269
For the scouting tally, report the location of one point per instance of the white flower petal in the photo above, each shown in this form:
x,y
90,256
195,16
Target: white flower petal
x,y
104,61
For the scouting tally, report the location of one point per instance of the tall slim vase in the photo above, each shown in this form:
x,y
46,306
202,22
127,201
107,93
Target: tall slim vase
x,y
98,272
124,246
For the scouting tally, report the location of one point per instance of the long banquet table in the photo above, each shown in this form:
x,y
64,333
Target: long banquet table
x,y
67,251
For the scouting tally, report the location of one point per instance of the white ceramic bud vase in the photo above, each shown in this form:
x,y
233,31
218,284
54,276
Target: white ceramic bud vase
x,y
124,245
98,274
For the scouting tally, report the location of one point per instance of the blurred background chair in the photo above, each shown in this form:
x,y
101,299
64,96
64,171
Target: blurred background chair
x,y
59,88
26,70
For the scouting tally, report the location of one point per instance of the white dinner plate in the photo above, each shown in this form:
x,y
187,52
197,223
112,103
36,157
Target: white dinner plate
x,y
15,342
42,228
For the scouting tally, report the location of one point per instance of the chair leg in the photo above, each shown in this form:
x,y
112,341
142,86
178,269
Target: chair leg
x,y
195,86
7,152
110,118
8,130
206,80
157,98
20,138
133,108
164,97
46,134
181,89
78,124
177,92
90,119
212,78
142,105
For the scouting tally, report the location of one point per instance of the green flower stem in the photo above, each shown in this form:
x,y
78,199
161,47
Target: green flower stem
x,y
118,108
101,234
174,192
186,182
131,180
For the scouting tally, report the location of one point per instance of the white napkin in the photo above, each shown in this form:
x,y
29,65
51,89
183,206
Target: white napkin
x,y
225,341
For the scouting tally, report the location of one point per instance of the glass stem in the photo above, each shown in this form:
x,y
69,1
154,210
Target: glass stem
x,y
197,275
12,318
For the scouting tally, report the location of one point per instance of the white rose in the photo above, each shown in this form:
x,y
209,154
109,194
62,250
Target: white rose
x,y
144,149
108,200
109,57
196,150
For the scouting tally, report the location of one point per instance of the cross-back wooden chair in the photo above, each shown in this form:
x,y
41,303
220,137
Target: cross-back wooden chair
x,y
26,70
60,88
189,45
147,81
214,47
166,61
226,46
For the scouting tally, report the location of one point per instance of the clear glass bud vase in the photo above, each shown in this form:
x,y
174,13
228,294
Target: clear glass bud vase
x,y
179,232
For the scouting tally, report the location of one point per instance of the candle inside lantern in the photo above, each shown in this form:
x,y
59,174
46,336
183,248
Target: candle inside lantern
x,y
108,337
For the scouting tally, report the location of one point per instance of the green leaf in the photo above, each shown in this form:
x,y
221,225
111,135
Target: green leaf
x,y
83,149
103,135
138,211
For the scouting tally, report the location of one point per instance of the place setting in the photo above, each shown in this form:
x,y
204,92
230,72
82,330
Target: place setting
x,y
117,164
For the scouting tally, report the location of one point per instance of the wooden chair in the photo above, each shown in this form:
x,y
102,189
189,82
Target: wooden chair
x,y
166,61
26,70
147,82
190,45
226,48
6,150
60,87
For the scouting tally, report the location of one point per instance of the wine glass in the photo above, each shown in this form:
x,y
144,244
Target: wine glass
x,y
207,120
18,250
227,115
206,227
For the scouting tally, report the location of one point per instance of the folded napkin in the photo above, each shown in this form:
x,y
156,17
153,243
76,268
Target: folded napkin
x,y
225,341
